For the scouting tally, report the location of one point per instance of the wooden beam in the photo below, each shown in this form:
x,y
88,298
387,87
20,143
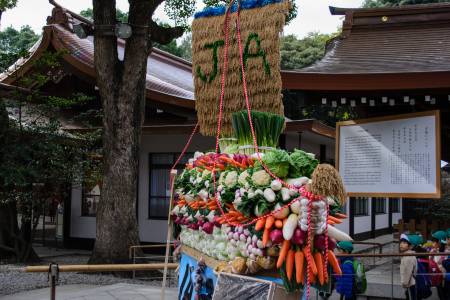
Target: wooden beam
x,y
325,82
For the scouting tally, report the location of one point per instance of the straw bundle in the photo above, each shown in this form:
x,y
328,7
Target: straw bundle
x,y
260,29
326,181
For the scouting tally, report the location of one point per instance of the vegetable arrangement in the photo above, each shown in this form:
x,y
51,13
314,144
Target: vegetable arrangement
x,y
258,222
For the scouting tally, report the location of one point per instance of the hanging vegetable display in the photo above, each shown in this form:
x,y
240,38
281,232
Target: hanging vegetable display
x,y
266,223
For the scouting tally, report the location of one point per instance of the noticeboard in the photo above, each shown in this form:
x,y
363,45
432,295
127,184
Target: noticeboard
x,y
394,156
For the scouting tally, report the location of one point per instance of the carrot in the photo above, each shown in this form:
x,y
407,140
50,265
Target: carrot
x,y
319,264
335,220
341,216
226,159
283,252
334,263
260,224
310,260
269,222
331,222
290,263
265,238
299,259
279,224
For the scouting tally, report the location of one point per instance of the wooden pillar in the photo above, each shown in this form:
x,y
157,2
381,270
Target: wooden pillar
x,y
372,218
323,153
389,201
351,212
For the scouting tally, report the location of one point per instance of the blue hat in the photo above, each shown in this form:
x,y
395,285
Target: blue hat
x,y
345,245
441,236
415,239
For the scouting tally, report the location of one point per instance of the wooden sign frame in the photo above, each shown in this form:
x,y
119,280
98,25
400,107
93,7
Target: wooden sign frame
x,y
436,115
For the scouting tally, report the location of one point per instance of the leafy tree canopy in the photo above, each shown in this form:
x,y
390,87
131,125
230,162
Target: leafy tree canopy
x,y
7,4
387,3
297,53
14,44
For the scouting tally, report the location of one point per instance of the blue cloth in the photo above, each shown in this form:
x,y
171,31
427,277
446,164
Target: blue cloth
x,y
446,265
211,11
344,283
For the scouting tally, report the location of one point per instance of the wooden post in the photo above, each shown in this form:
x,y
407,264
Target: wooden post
x,y
173,174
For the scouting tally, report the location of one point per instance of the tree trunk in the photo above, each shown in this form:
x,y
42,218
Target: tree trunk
x,y
122,89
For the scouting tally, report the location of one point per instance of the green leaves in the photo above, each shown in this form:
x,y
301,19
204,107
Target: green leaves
x,y
268,128
388,3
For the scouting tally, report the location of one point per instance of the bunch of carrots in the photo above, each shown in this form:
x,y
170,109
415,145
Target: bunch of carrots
x,y
299,258
222,162
232,216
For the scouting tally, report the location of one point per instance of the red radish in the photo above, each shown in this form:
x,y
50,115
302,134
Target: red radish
x,y
208,227
299,237
319,242
331,244
276,236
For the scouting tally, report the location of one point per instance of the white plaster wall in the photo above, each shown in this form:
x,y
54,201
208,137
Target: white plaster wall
x,y
80,227
397,216
382,220
151,230
345,225
364,223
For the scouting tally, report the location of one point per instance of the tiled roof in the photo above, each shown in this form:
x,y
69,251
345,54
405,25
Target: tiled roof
x,y
390,40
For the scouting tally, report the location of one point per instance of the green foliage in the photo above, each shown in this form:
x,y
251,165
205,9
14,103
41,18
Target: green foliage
x,y
296,108
37,158
298,53
15,44
387,3
302,164
120,15
438,210
180,11
7,4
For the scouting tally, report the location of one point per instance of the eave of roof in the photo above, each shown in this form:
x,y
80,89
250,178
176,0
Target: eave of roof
x,y
80,57
382,49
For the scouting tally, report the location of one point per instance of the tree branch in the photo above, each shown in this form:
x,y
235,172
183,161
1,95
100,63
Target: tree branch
x,y
164,35
155,5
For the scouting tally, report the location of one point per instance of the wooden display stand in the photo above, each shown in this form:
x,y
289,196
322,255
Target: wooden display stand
x,y
214,264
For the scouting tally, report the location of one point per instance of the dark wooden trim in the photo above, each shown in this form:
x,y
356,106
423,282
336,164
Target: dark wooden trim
x,y
397,10
326,82
351,209
390,212
67,216
282,141
373,217
323,153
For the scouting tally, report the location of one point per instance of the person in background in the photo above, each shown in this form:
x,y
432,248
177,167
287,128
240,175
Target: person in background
x,y
448,240
439,239
446,266
344,283
407,267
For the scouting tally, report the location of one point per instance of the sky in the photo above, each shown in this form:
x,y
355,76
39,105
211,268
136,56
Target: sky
x,y
313,15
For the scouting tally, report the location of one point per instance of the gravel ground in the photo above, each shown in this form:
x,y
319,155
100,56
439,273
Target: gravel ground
x,y
13,279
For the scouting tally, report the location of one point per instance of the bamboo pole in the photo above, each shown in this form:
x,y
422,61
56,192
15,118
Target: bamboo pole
x,y
103,268
173,174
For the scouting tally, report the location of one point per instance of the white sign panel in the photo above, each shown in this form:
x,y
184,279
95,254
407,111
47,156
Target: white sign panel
x,y
396,156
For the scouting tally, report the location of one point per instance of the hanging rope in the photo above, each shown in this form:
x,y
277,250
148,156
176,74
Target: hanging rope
x,y
188,143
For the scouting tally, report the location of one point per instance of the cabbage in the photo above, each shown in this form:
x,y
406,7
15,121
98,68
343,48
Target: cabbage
x,y
302,164
278,162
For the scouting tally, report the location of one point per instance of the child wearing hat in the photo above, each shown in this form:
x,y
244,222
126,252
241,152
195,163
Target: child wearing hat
x,y
344,283
408,265
439,239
